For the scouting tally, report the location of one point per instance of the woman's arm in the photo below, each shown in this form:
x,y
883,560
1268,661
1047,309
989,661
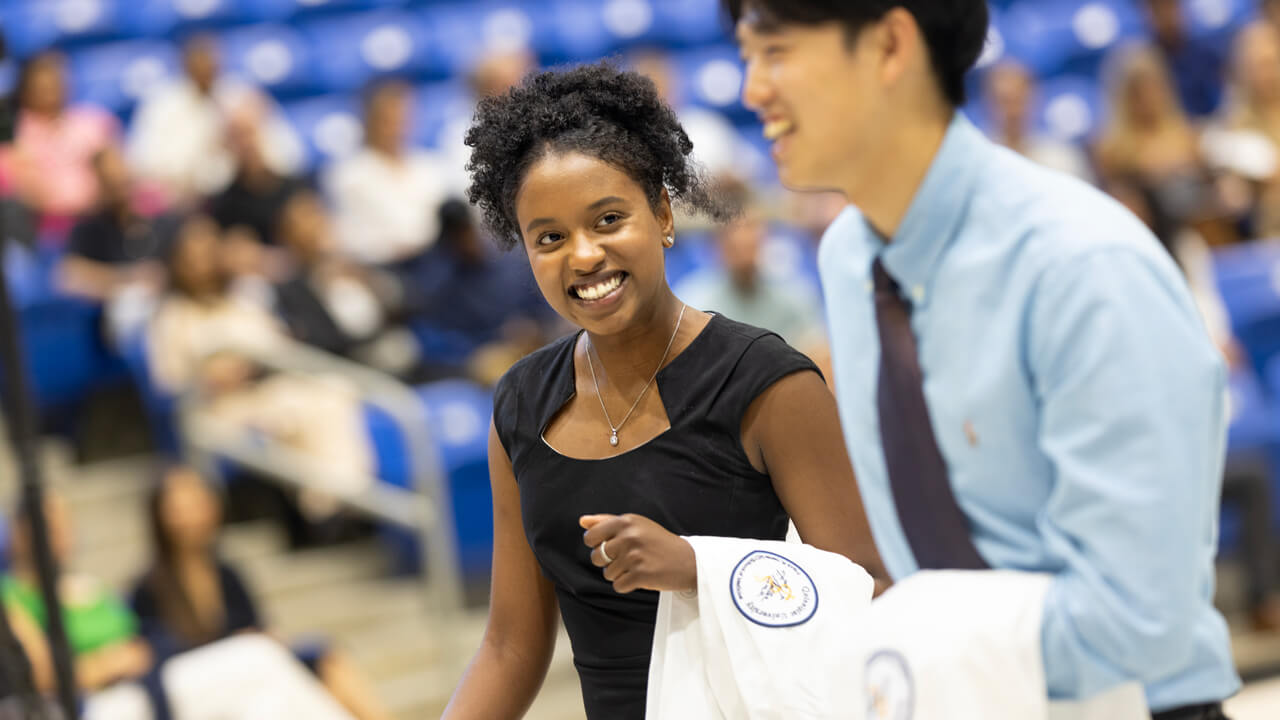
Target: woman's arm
x,y
93,670
792,432
508,669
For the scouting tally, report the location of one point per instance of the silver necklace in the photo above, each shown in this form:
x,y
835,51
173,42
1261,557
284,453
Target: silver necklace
x,y
613,430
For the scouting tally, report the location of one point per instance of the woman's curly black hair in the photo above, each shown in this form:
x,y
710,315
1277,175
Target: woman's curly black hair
x,y
597,110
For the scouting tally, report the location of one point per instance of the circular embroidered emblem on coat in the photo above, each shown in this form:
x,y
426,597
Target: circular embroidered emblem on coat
x,y
771,590
890,689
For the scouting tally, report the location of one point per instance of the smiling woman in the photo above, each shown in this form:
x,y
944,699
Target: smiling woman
x,y
656,421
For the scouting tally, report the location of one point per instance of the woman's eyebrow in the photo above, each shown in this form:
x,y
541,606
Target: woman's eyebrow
x,y
605,201
537,222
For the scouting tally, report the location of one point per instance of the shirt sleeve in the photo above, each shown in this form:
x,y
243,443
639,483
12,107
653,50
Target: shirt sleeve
x,y
1132,398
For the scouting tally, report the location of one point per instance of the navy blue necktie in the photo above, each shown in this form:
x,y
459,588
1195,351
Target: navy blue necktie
x,y
931,518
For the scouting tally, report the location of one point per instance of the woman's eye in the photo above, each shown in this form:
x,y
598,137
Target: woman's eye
x,y
610,218
549,239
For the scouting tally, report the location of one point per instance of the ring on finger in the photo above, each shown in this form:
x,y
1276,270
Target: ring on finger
x,y
605,554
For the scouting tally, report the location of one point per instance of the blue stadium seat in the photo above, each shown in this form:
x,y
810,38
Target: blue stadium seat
x,y
302,7
156,18
1247,279
464,32
589,29
1214,18
276,57
329,126
1037,34
115,75
350,50
160,407
1070,107
712,77
684,23
437,105
458,414
66,355
31,25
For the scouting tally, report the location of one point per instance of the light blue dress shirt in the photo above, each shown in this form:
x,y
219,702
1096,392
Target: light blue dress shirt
x,y
1076,398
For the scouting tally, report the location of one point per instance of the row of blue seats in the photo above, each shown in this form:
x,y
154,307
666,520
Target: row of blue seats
x,y
330,123
442,36
1073,35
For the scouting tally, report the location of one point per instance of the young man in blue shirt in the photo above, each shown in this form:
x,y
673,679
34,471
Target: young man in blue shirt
x,y
1023,379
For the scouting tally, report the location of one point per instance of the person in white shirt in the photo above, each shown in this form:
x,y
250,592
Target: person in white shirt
x,y
178,138
385,196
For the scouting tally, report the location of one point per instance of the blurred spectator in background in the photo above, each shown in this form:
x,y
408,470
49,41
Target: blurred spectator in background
x,y
1197,66
333,304
1271,12
191,597
740,289
481,304
113,256
495,73
385,196
253,201
1245,143
205,338
114,246
101,630
716,144
51,160
1010,93
178,134
1148,143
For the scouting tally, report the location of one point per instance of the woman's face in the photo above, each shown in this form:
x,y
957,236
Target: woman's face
x,y
198,266
593,240
189,512
1145,95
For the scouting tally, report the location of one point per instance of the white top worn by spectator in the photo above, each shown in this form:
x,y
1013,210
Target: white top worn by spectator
x,y
385,206
179,136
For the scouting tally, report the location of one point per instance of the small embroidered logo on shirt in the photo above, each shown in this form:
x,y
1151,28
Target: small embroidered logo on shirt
x,y
890,689
771,590
970,433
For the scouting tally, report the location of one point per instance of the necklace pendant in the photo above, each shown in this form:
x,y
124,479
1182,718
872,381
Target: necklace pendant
x,y
613,439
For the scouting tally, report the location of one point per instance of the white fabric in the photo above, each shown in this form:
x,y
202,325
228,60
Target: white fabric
x,y
386,209
246,677
178,136
711,661
951,644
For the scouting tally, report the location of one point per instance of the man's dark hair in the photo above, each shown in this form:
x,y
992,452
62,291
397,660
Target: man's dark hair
x,y
597,110
955,30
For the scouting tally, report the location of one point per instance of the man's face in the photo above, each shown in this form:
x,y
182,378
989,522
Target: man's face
x,y
820,98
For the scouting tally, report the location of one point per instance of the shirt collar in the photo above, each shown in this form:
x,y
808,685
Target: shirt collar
x,y
936,211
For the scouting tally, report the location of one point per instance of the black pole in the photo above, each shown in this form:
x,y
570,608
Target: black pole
x,y
21,422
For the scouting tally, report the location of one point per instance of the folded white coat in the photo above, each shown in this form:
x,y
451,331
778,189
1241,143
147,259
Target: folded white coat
x,y
781,630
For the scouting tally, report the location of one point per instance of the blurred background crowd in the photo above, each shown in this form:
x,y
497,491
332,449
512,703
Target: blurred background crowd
x,y
233,224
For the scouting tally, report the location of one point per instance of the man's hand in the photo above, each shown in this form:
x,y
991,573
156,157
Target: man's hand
x,y
639,554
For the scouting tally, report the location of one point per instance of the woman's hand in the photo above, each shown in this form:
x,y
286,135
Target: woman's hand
x,y
639,554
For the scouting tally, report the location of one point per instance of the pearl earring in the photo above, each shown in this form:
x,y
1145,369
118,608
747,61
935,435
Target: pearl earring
x,y
669,241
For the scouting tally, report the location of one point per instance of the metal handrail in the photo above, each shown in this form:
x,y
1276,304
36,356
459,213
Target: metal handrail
x,y
425,506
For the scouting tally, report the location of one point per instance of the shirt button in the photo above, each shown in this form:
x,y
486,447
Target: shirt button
x,y
917,292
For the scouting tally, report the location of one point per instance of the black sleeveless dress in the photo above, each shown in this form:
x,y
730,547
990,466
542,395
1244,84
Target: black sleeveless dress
x,y
694,479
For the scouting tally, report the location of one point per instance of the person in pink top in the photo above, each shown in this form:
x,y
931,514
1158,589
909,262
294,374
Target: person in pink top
x,y
50,164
